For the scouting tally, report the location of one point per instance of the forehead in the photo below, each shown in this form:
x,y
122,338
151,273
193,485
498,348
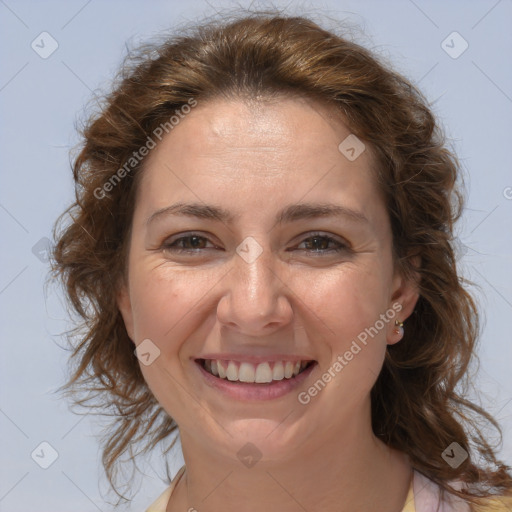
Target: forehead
x,y
258,153
282,124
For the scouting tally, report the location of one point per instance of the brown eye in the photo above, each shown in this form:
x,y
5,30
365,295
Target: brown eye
x,y
323,244
190,243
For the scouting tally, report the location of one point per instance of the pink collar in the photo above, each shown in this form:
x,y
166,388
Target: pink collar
x,y
427,494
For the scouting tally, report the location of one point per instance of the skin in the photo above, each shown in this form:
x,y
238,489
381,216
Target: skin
x,y
253,159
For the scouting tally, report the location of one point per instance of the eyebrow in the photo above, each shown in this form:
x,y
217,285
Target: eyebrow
x,y
290,213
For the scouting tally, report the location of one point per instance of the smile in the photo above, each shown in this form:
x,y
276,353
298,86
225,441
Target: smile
x,y
262,373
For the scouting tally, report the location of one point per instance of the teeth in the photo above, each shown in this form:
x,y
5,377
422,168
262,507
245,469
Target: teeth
x,y
288,370
221,370
248,372
263,373
232,371
278,372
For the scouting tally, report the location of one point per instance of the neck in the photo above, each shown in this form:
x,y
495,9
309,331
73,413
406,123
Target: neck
x,y
342,472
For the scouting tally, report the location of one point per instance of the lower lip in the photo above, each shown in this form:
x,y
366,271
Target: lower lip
x,y
248,391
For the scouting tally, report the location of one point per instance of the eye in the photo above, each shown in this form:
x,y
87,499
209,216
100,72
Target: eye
x,y
319,244
192,243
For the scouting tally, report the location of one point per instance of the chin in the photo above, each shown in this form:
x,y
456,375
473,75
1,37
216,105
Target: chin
x,y
270,441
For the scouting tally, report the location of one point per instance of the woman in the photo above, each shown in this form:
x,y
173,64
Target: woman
x,y
261,252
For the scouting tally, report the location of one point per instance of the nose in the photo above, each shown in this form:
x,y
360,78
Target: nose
x,y
255,299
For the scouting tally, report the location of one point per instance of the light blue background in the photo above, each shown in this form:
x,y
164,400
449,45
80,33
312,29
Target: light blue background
x,y
40,101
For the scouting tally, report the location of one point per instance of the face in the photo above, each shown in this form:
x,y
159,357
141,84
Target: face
x,y
260,277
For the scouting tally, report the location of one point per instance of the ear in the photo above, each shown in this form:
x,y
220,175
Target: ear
x,y
405,292
125,307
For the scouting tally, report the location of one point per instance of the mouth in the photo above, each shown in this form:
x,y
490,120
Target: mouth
x,y
250,373
254,381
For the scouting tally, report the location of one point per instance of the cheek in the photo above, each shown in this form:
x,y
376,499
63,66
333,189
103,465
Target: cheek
x,y
163,301
348,300
355,334
166,308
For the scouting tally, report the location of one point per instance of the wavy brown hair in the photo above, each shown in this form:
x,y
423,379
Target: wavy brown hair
x,y
419,403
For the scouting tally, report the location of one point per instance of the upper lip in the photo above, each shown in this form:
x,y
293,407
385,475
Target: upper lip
x,y
256,359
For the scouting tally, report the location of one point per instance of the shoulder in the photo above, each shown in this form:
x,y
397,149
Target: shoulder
x,y
160,505
427,493
495,504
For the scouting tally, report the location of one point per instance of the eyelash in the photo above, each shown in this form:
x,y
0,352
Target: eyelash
x,y
171,246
